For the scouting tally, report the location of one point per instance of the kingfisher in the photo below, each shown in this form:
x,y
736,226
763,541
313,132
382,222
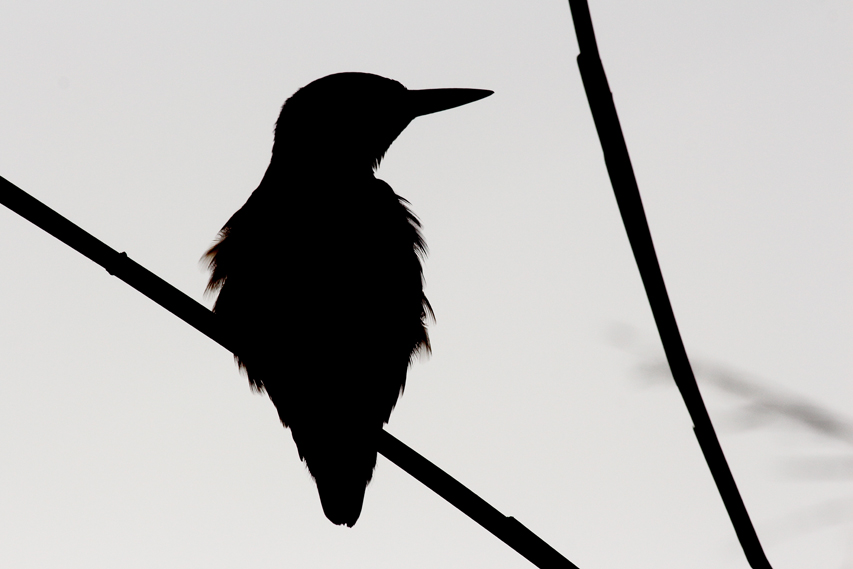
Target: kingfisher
x,y
319,277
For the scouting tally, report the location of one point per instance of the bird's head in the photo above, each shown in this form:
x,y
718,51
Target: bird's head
x,y
348,120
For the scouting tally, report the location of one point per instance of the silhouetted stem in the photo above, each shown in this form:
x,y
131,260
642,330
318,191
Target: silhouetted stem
x,y
507,529
634,218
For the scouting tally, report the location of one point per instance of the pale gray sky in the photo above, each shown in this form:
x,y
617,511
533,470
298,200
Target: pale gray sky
x,y
129,440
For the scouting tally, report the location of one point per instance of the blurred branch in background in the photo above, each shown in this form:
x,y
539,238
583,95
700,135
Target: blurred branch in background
x,y
759,404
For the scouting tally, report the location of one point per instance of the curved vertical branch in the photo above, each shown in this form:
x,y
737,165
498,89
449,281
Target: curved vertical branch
x,y
627,194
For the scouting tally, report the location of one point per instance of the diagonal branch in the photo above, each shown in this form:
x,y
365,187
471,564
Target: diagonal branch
x,y
634,218
507,529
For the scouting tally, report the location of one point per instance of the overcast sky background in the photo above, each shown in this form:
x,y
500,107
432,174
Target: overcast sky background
x,y
127,439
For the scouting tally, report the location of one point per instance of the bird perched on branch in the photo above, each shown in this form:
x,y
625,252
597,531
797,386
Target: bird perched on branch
x,y
319,276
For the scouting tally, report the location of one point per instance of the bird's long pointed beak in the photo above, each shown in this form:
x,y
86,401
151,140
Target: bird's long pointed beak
x,y
426,101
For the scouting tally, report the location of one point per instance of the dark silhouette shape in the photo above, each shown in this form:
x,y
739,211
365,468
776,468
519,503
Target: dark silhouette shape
x,y
319,276
627,194
505,528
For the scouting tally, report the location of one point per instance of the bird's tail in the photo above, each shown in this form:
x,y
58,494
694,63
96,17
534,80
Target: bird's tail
x,y
341,464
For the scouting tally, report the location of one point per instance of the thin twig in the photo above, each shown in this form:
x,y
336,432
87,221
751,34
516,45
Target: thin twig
x,y
634,218
507,529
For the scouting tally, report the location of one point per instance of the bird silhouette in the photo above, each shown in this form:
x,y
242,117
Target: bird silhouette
x,y
319,276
